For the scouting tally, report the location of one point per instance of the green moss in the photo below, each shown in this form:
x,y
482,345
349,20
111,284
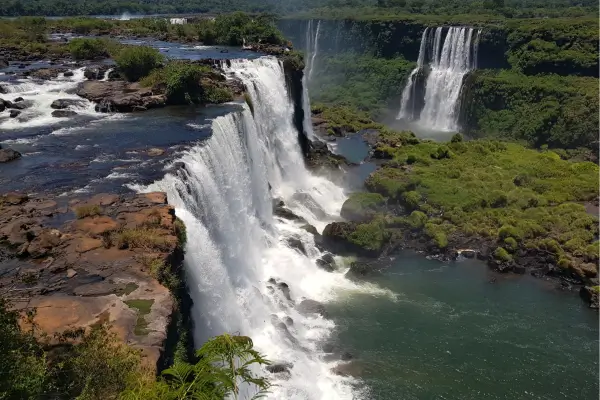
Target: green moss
x,y
181,232
362,206
143,307
371,236
501,254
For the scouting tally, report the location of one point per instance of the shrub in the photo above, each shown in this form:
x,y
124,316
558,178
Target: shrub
x,y
417,219
136,62
371,236
144,238
509,231
456,138
411,199
502,255
89,210
511,244
88,49
187,83
441,152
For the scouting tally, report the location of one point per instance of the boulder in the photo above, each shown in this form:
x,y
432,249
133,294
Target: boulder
x,y
280,210
3,63
154,152
308,306
14,113
590,295
319,155
18,99
326,262
296,243
7,155
61,104
21,105
279,367
310,229
63,113
361,269
68,74
468,253
45,73
2,105
95,72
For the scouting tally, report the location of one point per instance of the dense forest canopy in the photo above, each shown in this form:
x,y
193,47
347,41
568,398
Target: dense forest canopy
x,y
509,8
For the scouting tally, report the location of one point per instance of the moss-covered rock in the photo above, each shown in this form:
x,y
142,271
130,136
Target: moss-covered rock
x,y
362,206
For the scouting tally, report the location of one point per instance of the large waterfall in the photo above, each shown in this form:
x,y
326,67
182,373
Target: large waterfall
x,y
224,193
450,53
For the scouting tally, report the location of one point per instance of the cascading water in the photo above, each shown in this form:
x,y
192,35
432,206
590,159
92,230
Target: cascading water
x,y
444,82
407,109
312,48
450,57
224,195
38,96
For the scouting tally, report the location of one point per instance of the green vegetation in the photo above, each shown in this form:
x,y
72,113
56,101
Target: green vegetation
x,y
546,109
143,238
187,83
348,8
498,193
88,210
88,49
143,308
136,62
361,206
360,82
96,365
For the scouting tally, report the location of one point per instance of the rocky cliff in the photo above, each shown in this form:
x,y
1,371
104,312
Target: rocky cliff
x,y
106,259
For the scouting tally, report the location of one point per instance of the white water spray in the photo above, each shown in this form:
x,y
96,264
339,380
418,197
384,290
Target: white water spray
x,y
39,95
224,195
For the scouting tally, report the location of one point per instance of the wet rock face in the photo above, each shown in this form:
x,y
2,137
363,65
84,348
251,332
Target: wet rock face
x,y
95,72
318,155
308,306
61,104
95,267
63,113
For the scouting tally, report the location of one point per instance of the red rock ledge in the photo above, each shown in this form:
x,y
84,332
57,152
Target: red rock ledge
x,y
92,261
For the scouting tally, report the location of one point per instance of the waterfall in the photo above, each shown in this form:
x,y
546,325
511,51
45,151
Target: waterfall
x,y
450,57
312,47
408,94
224,194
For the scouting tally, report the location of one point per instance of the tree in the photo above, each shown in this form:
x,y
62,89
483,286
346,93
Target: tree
x,y
224,364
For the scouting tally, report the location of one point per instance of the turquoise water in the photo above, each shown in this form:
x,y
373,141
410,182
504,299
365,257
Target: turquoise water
x,y
454,334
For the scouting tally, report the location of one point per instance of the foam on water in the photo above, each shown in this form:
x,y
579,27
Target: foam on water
x,y
41,94
235,245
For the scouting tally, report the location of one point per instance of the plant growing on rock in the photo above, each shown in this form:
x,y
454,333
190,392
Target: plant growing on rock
x,y
88,210
136,62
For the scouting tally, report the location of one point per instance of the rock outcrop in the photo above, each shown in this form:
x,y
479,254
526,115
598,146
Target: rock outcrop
x,y
7,155
120,96
102,265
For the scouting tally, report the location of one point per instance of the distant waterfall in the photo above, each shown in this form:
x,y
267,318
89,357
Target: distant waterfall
x,y
312,47
224,194
450,54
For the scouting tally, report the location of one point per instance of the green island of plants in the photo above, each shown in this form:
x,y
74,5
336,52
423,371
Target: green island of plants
x,y
517,203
